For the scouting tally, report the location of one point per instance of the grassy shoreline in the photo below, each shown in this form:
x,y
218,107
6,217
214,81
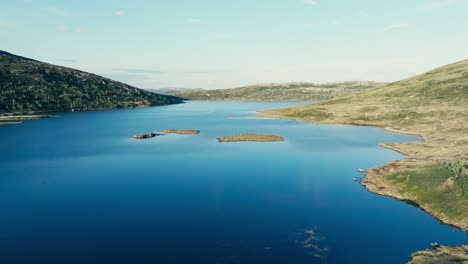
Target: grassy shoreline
x,y
432,106
377,182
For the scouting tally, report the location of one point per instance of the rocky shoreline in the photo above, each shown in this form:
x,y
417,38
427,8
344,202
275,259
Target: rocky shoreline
x,y
441,254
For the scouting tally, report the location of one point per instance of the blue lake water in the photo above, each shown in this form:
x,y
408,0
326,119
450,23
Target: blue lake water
x,y
79,189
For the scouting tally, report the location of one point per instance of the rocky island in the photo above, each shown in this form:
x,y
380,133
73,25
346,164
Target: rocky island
x,y
251,137
181,131
146,136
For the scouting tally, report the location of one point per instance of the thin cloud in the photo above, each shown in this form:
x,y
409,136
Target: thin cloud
x,y
82,30
310,2
120,13
63,28
204,72
137,71
440,4
396,26
194,20
59,11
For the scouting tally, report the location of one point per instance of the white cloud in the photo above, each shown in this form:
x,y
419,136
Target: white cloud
x,y
120,13
396,26
58,11
63,28
194,20
310,2
82,30
440,4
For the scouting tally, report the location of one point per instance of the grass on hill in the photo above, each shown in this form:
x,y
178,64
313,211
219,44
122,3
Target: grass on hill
x,y
282,92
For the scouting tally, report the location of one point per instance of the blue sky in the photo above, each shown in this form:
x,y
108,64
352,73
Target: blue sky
x,y
226,43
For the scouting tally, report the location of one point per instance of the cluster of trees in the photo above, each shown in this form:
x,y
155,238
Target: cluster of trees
x,y
459,175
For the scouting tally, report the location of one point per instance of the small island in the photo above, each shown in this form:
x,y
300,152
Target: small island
x,y
146,136
181,131
251,137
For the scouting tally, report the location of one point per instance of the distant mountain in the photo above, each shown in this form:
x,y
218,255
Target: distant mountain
x,y
299,91
173,90
27,85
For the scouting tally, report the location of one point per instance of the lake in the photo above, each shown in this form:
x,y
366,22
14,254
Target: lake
x,y
79,189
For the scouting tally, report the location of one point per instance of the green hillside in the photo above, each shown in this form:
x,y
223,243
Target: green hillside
x,y
433,105
282,92
28,85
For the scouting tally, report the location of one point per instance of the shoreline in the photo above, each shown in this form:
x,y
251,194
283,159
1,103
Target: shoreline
x,y
373,182
18,119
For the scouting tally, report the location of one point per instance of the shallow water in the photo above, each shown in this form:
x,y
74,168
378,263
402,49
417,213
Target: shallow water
x,y
79,189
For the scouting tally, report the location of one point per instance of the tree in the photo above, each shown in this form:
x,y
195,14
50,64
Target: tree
x,y
455,168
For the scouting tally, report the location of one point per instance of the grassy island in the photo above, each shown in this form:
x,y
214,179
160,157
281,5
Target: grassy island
x,y
181,131
251,137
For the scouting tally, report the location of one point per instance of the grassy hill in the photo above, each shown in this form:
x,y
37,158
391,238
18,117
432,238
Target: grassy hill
x,y
282,92
433,105
28,85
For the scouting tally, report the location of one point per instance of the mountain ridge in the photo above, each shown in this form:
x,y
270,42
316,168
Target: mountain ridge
x,y
293,91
